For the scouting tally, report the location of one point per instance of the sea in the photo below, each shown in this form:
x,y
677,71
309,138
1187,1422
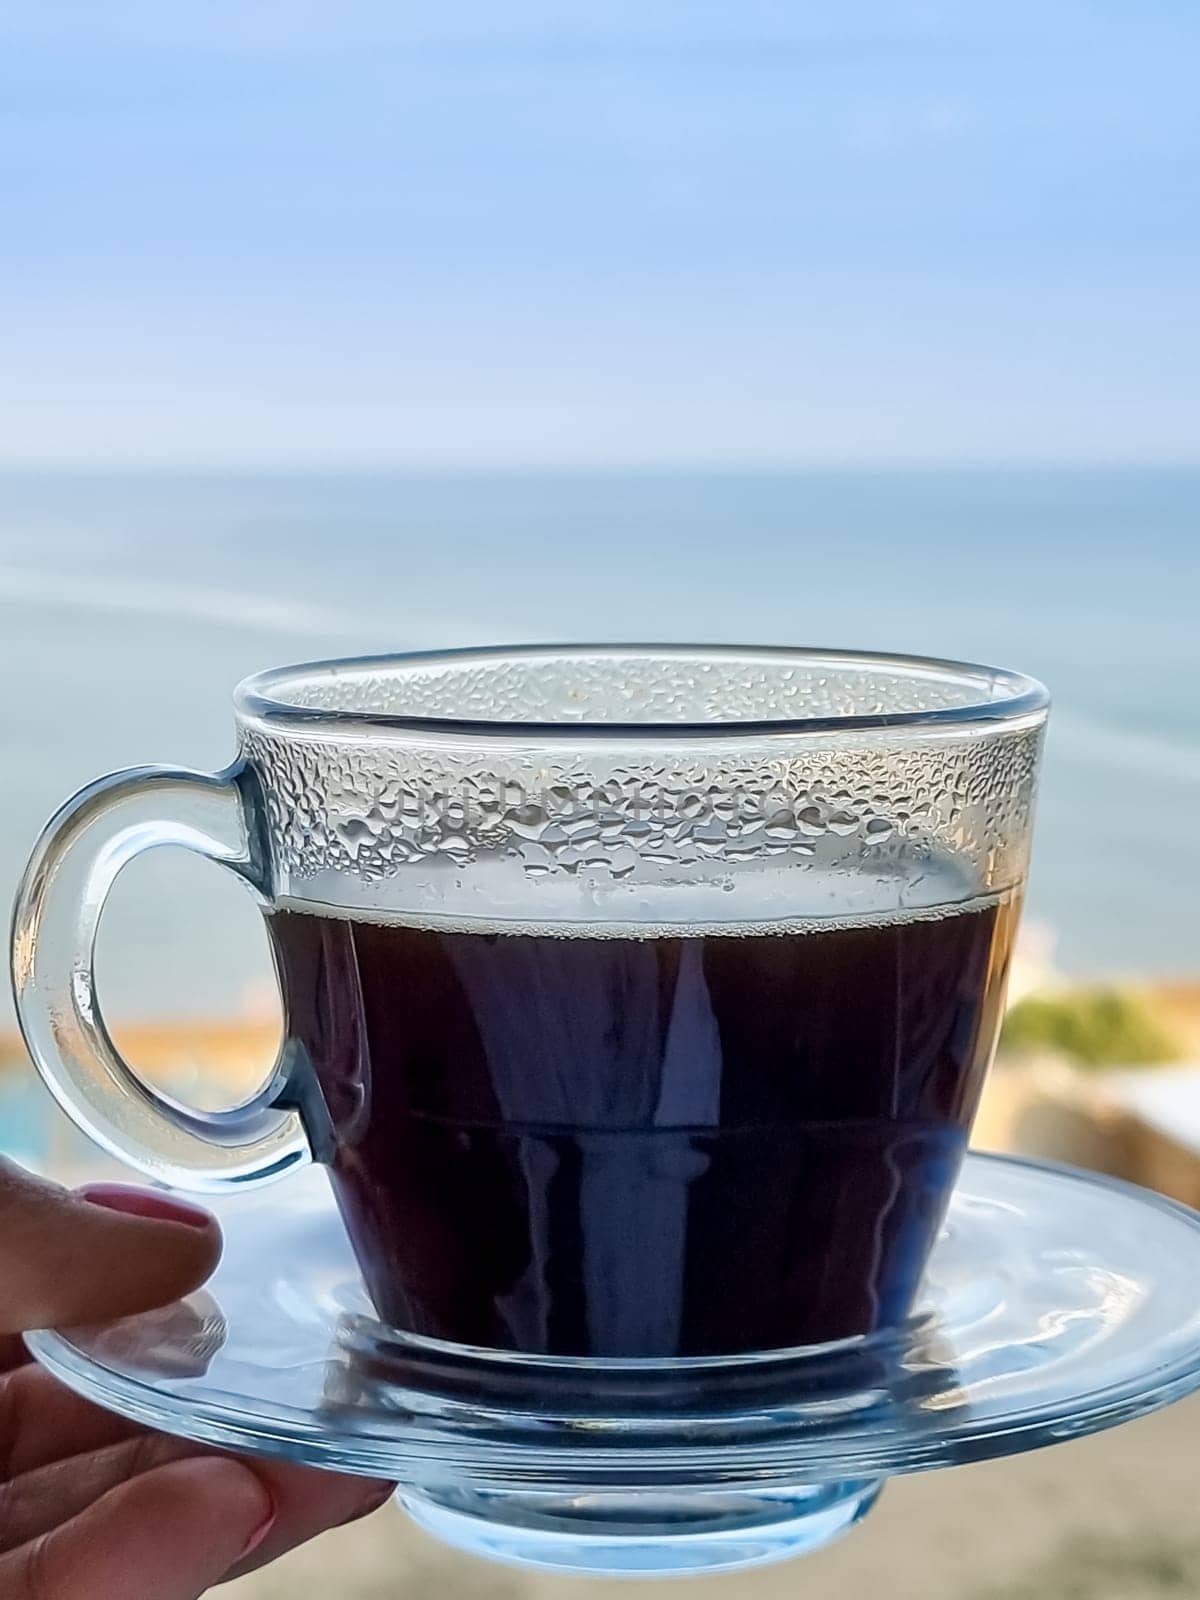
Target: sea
x,y
130,605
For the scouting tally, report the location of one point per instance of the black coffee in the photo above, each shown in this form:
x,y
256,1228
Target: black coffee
x,y
644,1146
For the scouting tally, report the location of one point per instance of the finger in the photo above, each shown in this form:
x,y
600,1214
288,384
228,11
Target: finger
x,y
33,1502
308,1502
167,1535
12,1352
42,1421
90,1257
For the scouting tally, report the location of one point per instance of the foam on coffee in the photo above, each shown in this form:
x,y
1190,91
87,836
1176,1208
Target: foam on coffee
x,y
740,902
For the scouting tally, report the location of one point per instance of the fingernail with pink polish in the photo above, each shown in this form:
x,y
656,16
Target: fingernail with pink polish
x,y
151,1203
259,1534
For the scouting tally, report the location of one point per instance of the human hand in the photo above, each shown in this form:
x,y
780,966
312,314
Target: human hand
x,y
93,1507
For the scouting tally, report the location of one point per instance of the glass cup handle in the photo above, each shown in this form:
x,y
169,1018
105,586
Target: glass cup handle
x,y
59,903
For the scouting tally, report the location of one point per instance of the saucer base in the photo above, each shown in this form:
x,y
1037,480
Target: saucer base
x,y
643,1534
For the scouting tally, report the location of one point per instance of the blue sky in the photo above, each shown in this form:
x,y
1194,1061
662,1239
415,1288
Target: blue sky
x,y
518,233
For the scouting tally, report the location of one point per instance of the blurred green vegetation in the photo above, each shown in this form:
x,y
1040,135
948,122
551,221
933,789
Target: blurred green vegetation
x,y
1092,1027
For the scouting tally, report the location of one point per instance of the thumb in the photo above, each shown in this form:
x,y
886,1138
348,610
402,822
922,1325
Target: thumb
x,y
102,1253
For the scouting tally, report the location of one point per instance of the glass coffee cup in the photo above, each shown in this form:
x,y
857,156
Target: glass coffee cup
x,y
638,999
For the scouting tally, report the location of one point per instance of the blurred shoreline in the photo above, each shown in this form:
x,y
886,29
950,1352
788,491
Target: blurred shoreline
x,y
1137,1119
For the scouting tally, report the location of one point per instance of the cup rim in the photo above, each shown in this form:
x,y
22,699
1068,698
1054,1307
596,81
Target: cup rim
x,y
1006,696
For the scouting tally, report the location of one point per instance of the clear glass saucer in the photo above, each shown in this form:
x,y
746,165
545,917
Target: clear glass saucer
x,y
1057,1303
